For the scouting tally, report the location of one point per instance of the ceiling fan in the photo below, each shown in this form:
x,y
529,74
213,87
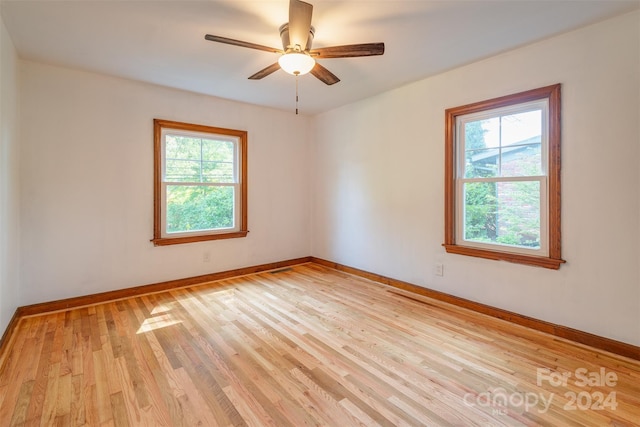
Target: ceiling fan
x,y
297,56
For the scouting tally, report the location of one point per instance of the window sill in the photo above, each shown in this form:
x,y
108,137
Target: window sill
x,y
165,241
536,261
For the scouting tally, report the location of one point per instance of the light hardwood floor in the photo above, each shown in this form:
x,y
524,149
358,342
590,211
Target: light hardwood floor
x,y
305,346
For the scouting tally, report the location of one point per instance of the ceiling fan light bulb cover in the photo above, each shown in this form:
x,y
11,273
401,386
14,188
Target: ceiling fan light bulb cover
x,y
296,63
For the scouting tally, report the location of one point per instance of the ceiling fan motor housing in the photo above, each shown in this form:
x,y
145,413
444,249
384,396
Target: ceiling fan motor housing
x,y
286,43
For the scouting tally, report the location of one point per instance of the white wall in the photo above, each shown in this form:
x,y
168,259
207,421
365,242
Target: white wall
x,y
9,182
87,182
379,178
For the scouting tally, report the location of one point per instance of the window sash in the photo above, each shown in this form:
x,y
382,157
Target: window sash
x,y
199,135
461,206
524,107
217,230
165,184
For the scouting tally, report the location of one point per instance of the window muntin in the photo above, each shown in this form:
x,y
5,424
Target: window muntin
x,y
200,183
502,182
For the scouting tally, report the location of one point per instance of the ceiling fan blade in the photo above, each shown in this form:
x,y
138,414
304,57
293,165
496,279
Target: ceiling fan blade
x,y
324,75
348,51
265,71
299,23
240,43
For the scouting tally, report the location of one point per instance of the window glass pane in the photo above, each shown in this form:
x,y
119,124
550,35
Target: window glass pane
x,y
182,159
194,159
182,147
480,209
217,161
482,134
217,172
182,170
481,159
482,163
193,208
217,151
519,128
521,160
505,213
521,137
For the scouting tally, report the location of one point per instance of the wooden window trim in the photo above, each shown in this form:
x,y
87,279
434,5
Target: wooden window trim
x,y
158,240
554,259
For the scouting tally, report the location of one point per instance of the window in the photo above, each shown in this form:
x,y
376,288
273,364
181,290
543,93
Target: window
x,y
502,182
200,183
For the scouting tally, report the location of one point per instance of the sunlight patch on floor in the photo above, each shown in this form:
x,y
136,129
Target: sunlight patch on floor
x,y
157,322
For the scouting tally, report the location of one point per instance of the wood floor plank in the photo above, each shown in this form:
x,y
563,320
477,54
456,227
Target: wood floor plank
x,y
151,415
89,389
166,387
199,413
19,415
103,403
306,345
64,393
77,405
119,410
51,396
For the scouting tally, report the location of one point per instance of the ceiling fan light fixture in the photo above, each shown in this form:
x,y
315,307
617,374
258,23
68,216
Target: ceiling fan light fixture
x,y
296,63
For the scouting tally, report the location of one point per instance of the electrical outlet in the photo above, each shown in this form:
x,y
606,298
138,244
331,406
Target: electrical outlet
x,y
438,270
206,256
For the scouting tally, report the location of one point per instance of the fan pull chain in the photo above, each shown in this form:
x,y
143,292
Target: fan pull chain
x,y
297,93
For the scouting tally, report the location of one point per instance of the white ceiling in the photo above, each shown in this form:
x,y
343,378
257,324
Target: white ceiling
x,y
162,42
